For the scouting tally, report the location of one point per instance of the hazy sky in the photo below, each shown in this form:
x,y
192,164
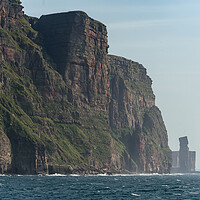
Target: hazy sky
x,y
164,36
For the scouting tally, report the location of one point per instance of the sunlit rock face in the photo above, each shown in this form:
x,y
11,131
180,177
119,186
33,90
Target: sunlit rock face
x,y
134,117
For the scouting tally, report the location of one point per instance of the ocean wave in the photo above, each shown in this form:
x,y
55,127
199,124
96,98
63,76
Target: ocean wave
x,y
136,195
108,175
56,174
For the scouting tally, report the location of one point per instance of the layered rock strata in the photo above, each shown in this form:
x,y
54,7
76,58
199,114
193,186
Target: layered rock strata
x,y
68,107
78,45
134,118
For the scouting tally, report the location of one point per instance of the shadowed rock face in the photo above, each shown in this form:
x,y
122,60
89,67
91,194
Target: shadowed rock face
x,y
68,107
184,154
78,45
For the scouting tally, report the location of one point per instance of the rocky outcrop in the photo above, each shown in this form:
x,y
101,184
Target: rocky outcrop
x,y
68,107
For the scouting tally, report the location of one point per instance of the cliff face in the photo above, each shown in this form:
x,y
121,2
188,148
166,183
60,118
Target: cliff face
x,y
131,93
78,45
134,118
68,107
10,12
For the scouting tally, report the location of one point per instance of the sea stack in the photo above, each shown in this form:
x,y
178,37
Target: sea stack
x,y
183,161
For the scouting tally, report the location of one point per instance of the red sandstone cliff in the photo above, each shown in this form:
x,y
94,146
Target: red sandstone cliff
x,y
68,107
78,45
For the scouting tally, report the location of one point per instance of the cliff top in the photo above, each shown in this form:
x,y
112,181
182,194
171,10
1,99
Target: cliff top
x,y
71,14
78,12
130,68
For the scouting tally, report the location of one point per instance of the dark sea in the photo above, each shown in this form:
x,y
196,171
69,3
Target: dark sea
x,y
101,187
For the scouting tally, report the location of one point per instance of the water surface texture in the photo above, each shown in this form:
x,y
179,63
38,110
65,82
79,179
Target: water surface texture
x,y
100,187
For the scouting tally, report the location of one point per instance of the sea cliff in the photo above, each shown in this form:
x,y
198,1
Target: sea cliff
x,y
66,106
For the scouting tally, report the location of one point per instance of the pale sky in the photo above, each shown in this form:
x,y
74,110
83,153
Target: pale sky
x,y
162,35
